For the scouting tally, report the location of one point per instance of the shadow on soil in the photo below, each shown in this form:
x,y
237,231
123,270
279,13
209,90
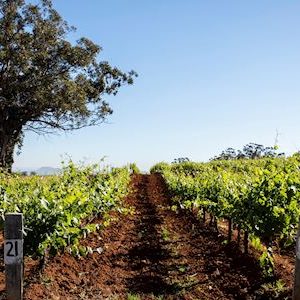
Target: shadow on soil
x,y
147,257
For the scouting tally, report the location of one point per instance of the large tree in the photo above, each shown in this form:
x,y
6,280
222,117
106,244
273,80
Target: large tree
x,y
46,82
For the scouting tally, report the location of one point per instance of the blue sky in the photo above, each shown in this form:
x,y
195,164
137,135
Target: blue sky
x,y
212,75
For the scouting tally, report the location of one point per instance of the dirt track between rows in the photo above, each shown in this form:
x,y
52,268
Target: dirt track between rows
x,y
155,253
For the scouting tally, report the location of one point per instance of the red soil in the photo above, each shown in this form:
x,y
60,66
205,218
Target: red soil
x,y
155,253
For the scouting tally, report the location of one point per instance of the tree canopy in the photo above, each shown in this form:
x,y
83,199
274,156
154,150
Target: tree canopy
x,y
249,151
46,82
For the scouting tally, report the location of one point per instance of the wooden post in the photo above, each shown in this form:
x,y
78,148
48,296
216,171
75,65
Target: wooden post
x,y
239,235
246,243
211,222
13,255
229,229
296,291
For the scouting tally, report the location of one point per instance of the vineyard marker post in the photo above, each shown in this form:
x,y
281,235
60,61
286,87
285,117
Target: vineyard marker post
x,y
296,292
13,255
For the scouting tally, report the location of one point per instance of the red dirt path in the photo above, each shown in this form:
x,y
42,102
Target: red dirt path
x,y
154,253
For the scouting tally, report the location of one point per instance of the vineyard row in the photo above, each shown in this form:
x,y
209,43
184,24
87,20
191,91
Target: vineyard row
x,y
259,197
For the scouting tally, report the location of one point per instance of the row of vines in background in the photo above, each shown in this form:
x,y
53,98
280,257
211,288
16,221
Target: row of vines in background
x,y
60,210
259,197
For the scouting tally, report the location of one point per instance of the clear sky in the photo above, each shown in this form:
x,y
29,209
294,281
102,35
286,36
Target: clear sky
x,y
212,74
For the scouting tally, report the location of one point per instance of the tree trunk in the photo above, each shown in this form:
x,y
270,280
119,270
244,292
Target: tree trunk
x,y
9,138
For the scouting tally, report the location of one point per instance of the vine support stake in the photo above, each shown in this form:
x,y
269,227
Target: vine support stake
x,y
229,229
296,291
13,255
246,242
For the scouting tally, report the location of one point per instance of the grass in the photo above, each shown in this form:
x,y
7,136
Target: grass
x,y
165,234
137,297
133,297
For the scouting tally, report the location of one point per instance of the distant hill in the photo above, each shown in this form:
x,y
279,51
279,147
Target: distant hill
x,y
44,171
